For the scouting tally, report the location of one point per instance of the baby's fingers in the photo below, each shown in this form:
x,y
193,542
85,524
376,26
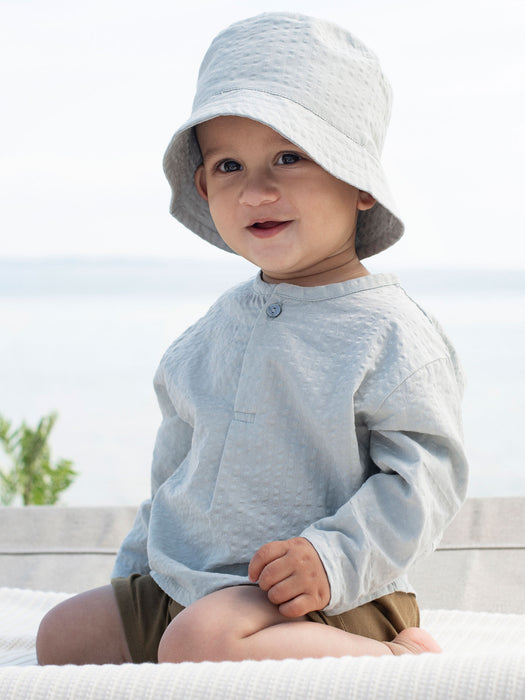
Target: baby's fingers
x,y
301,605
263,556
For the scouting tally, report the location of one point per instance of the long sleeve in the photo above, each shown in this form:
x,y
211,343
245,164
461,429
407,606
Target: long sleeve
x,y
172,445
418,483
132,557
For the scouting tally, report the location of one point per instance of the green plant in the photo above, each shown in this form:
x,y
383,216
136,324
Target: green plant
x,y
32,475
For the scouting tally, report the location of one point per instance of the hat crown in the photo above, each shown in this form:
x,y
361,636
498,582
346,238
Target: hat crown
x,y
311,62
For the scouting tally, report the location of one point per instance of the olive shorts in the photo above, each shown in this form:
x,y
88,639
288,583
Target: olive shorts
x,y
146,612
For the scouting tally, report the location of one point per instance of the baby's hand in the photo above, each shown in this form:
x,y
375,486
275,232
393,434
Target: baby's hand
x,y
292,574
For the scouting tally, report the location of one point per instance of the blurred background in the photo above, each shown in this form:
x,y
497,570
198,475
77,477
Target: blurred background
x,y
96,278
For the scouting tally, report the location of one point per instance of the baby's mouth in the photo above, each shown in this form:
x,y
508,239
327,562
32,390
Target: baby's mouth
x,y
266,224
265,229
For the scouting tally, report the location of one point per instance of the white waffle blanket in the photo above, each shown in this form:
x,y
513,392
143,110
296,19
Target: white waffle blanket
x,y
484,658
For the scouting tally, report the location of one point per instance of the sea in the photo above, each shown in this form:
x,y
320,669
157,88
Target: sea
x,y
83,338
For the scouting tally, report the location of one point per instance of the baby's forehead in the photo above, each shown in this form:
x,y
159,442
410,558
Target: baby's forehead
x,y
233,129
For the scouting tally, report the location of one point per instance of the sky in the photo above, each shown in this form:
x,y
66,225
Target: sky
x,y
91,92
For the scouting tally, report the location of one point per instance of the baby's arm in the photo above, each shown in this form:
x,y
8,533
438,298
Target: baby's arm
x,y
172,444
400,512
132,557
292,574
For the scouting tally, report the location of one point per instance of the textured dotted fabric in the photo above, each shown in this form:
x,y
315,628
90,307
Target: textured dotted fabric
x,y
314,83
328,412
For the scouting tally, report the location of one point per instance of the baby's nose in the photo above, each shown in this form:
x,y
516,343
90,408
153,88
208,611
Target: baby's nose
x,y
259,188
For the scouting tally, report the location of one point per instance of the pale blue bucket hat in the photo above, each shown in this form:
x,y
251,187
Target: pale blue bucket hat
x,y
314,83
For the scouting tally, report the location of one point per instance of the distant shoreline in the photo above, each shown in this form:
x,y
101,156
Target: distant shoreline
x,y
108,276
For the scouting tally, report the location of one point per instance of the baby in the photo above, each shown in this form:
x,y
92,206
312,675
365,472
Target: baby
x,y
310,449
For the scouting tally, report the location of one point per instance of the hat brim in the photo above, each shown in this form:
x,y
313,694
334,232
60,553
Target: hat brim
x,y
339,154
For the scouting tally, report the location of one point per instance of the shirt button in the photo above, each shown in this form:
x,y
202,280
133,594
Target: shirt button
x,y
273,310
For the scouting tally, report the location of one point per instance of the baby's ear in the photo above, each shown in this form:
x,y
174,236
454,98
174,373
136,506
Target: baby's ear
x,y
365,201
200,182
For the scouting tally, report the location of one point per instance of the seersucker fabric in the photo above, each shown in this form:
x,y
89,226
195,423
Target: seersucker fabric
x,y
337,419
317,85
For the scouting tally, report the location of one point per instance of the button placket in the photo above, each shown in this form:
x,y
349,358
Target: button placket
x,y
249,389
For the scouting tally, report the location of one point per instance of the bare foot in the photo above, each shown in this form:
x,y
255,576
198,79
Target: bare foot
x,y
413,640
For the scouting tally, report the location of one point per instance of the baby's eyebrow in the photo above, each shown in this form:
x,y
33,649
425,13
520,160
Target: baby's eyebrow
x,y
213,151
286,143
222,150
289,146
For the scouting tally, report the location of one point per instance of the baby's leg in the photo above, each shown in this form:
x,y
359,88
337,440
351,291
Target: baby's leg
x,y
240,623
85,629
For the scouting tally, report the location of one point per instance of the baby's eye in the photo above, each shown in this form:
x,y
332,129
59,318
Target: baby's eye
x,y
228,166
288,158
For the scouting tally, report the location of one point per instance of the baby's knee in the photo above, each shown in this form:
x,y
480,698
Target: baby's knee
x,y
84,629
204,631
49,638
215,627
185,639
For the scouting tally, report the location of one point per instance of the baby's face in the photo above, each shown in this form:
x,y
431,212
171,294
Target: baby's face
x,y
273,205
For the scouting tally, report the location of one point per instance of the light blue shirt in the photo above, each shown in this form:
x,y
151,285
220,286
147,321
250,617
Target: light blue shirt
x,y
331,413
